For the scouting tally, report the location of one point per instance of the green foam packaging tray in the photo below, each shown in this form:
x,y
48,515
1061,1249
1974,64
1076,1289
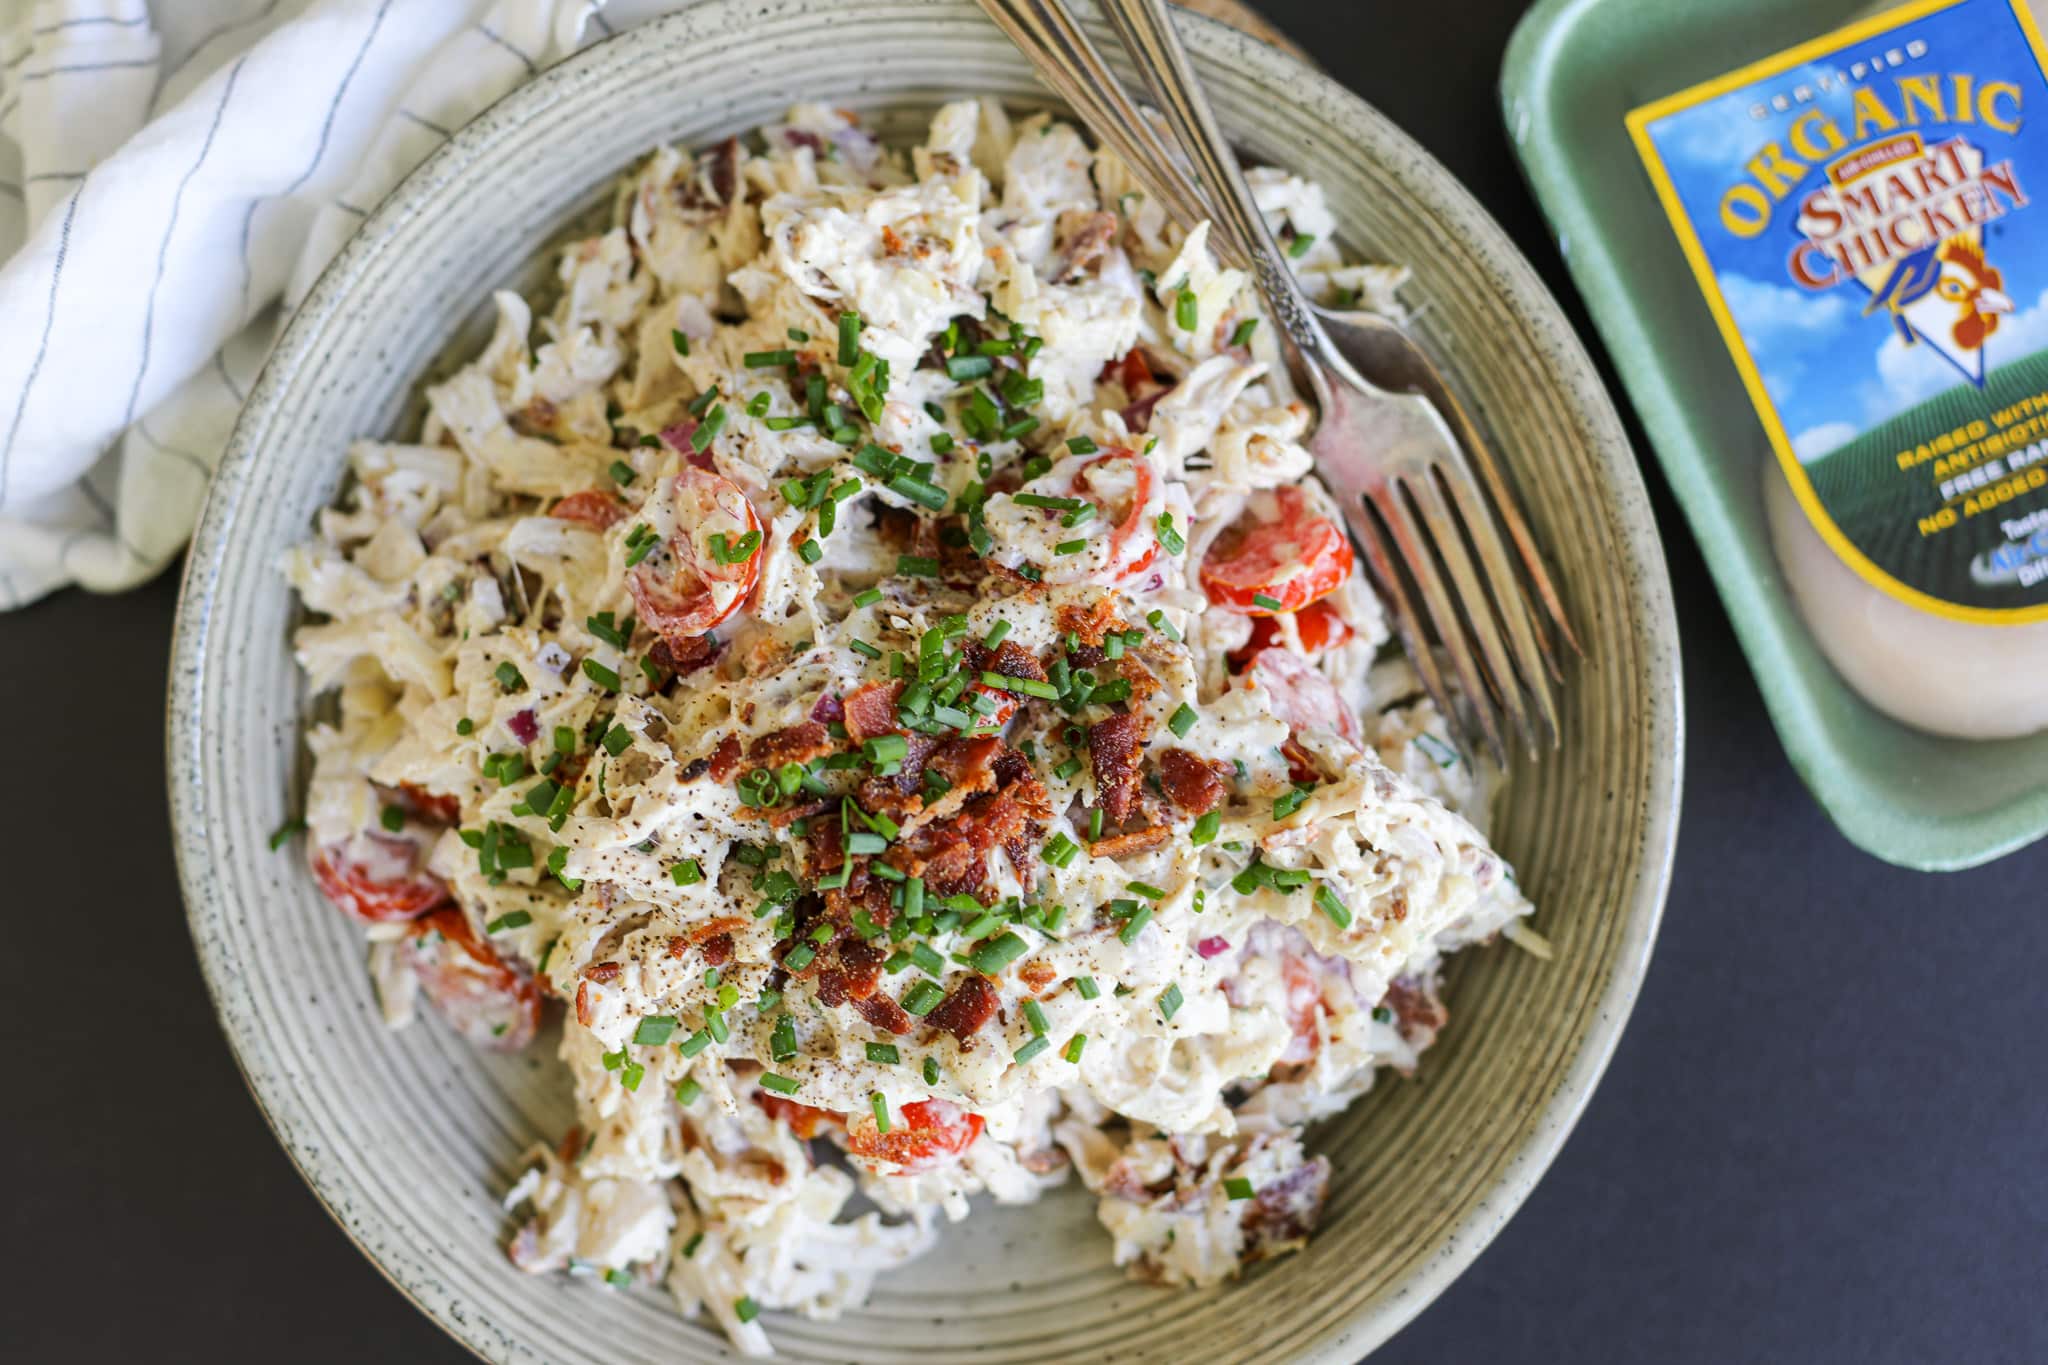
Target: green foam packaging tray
x,y
1573,71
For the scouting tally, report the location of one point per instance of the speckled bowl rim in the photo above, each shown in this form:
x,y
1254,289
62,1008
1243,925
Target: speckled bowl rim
x,y
1345,1340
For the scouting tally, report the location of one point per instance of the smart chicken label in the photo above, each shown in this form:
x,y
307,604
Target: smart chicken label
x,y
1861,214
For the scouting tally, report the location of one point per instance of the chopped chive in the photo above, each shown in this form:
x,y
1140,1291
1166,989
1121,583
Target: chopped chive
x,y
884,1054
998,953
655,1030
1298,247
1145,889
1205,828
880,1107
599,674
920,492
744,1308
931,1071
1182,721
1242,333
1135,925
1031,1049
694,1044
1074,1046
1237,1187
1086,985
1081,445
678,340
961,368
686,1095
922,998
1060,850
509,677
1185,313
1260,599
863,647
1070,547
849,338
511,919
686,872
917,566
1326,901
868,598
392,818
768,360
1034,1015
1289,802
464,726
1168,535
1169,1001
621,472
782,1041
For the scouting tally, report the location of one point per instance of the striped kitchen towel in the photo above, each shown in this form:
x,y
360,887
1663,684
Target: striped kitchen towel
x,y
173,175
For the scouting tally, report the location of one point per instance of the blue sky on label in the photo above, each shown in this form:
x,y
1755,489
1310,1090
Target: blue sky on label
x,y
1830,367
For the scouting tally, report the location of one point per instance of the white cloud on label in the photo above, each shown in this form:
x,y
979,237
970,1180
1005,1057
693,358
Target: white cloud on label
x,y
1825,439
1774,314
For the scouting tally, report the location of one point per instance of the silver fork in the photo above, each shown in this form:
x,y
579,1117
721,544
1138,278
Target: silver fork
x,y
1408,492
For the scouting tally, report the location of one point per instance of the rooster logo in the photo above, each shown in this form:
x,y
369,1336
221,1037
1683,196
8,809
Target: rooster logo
x,y
1948,296
1974,287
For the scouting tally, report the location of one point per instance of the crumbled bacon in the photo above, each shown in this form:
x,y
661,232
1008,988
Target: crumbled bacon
x,y
870,710
1037,974
583,1015
1090,623
1114,744
592,507
966,1008
602,972
884,1013
1286,1211
1193,783
855,978
950,853
686,655
1009,658
680,944
797,744
1135,841
1088,236
725,759
900,793
1417,1010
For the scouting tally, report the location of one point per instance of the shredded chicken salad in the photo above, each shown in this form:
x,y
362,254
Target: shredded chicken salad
x,y
877,655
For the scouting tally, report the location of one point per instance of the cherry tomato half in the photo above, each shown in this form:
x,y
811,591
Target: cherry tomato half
x,y
1277,563
1119,482
1301,695
684,588
483,997
376,878
592,507
932,1131
1318,625
804,1121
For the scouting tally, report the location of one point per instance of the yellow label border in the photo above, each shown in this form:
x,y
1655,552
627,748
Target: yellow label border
x,y
1639,120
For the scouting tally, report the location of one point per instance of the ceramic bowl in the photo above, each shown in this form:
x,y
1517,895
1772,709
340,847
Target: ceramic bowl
x,y
410,1138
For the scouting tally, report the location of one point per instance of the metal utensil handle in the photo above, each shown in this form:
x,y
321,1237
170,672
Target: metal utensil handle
x,y
1147,30
1047,34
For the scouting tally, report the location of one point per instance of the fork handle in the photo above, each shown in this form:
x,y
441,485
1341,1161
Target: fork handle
x,y
1147,30
1045,31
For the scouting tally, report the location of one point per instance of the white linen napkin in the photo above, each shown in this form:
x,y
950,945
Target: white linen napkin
x,y
173,176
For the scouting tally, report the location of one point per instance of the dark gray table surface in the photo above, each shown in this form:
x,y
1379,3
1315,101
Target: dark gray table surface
x,y
1820,1140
